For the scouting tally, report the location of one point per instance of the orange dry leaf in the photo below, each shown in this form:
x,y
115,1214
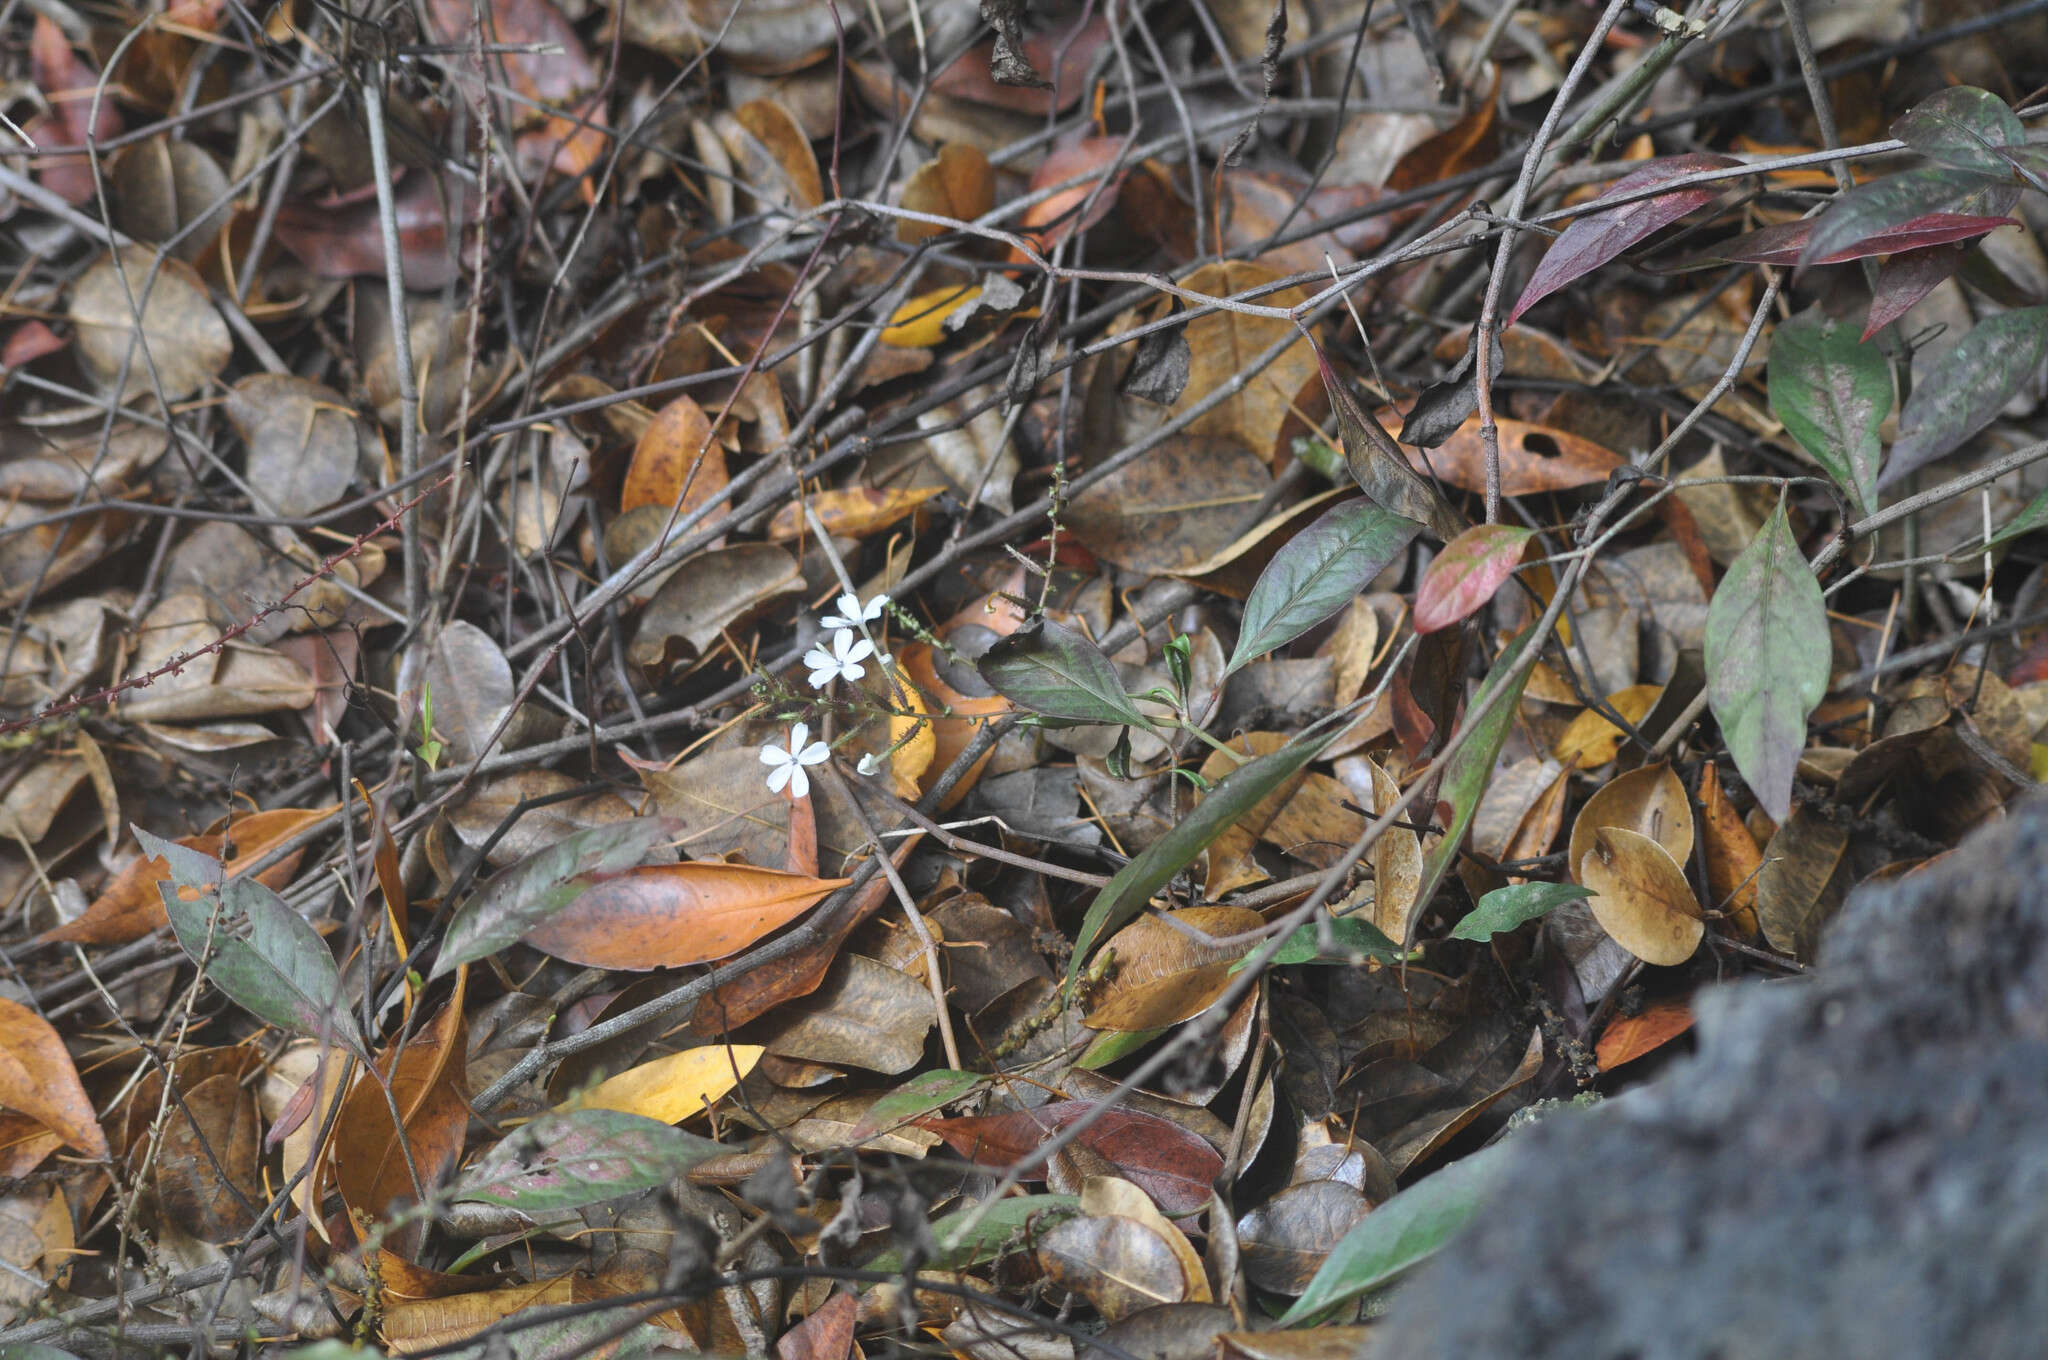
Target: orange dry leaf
x,y
669,915
676,463
37,1079
1631,1036
854,514
1732,857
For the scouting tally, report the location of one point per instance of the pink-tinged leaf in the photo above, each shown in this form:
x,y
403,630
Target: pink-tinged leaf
x,y
1906,278
1466,574
67,84
1169,1163
30,341
1599,237
1783,244
340,241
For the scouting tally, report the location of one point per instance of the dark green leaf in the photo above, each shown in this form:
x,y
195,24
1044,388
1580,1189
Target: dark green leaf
x,y
1408,1228
1968,388
1832,390
2032,517
264,956
538,887
1469,769
1351,938
573,1158
1318,572
1767,660
1962,126
920,1095
1124,896
1895,200
998,1230
1505,908
1052,670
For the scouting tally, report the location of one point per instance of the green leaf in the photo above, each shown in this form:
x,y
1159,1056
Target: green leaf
x,y
1124,896
1505,908
2033,516
264,956
1052,670
1962,126
1883,204
1968,388
920,1095
538,887
1114,1046
1767,658
1351,937
35,1350
1318,572
1832,391
569,1159
1408,1228
1000,1228
1470,768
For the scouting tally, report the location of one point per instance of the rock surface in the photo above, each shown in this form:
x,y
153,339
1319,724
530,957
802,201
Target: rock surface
x,y
1854,1164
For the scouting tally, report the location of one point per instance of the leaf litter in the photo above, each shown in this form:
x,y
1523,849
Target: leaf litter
x,y
809,665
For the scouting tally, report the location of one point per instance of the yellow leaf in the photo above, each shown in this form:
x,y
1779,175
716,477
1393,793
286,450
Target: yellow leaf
x,y
1591,740
921,322
908,762
672,1089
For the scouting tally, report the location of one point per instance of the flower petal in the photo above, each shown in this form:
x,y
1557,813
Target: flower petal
x,y
781,775
775,755
799,782
799,733
813,754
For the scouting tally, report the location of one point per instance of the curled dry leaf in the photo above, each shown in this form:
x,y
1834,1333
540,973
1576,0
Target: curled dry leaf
x,y
855,514
1166,969
669,915
956,183
1649,800
37,1079
867,1015
1641,897
1592,740
1732,857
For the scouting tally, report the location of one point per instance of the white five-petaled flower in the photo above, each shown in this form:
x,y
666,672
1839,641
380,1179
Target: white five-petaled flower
x,y
852,614
786,763
842,662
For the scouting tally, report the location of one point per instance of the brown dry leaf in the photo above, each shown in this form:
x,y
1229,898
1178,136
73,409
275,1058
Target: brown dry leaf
x,y
1590,741
37,1079
854,514
471,685
163,188
412,1325
24,1144
1094,161
1534,459
677,464
1231,865
771,156
1649,801
956,183
1121,1266
706,595
1732,857
1795,892
669,915
182,343
827,1334
1166,972
1631,1036
305,443
1176,508
1104,1195
208,1131
672,1089
1396,860
912,745
1223,344
867,1015
34,800
1173,1165
1286,1240
958,715
1642,899
428,1088
482,812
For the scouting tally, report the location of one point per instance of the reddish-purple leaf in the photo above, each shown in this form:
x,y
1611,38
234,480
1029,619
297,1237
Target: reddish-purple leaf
x,y
346,240
1783,244
1466,574
1906,278
1598,237
1172,1165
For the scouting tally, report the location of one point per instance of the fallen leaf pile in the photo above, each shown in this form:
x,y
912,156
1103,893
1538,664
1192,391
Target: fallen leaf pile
x,y
744,676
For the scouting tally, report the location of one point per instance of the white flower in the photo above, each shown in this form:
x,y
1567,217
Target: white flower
x,y
869,764
852,614
842,662
786,763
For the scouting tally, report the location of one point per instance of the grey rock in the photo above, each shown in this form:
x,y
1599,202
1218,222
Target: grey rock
x,y
1854,1163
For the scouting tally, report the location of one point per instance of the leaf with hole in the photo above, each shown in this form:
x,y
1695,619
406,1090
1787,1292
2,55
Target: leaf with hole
x,y
1602,234
1968,388
1060,675
1466,574
570,1158
1767,656
1832,391
1318,572
264,956
1505,908
1125,895
536,889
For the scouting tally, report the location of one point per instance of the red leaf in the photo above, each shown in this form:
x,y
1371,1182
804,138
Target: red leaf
x,y
30,341
344,241
1173,1166
1906,278
1783,244
1466,574
1599,237
67,83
